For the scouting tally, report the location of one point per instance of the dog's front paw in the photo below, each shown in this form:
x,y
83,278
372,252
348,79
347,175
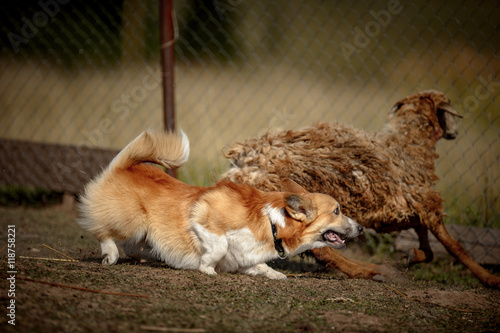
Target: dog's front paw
x,y
263,269
272,274
207,270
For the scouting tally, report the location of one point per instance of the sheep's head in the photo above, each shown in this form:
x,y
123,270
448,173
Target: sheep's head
x,y
435,107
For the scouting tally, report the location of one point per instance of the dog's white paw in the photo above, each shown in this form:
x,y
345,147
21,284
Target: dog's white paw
x,y
263,269
110,252
272,274
207,270
109,260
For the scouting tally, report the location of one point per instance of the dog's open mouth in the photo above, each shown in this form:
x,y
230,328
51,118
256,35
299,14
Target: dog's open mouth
x,y
334,239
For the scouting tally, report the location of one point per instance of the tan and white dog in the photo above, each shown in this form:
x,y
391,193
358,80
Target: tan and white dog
x,y
224,228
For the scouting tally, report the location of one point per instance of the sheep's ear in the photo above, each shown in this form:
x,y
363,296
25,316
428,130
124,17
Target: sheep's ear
x,y
448,108
288,185
395,109
300,208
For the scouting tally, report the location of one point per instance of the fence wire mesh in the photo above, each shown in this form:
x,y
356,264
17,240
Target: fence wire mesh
x,y
87,73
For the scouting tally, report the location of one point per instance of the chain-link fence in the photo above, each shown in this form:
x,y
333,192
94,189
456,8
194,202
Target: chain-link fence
x,y
86,73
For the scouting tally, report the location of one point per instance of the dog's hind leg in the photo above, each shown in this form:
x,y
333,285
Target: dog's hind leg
x,y
353,269
139,250
109,251
456,250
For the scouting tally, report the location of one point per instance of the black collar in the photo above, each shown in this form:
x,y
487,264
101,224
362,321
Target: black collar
x,y
278,242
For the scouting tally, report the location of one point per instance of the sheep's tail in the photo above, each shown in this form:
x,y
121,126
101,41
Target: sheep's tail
x,y
168,149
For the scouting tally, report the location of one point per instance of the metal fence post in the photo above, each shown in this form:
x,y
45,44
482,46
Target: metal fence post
x,y
167,40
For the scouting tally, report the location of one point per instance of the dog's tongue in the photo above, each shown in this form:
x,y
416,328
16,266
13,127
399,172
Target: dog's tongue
x,y
332,237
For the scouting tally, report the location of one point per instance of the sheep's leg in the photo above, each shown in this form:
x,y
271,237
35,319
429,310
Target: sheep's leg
x,y
456,250
351,268
424,252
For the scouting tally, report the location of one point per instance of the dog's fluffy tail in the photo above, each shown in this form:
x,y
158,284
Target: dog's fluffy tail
x,y
168,149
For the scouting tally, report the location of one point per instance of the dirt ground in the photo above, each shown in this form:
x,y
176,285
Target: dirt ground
x,y
155,298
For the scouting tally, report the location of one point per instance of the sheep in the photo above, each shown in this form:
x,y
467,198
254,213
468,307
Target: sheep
x,y
383,180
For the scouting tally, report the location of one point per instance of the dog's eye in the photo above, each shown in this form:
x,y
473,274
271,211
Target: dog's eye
x,y
336,211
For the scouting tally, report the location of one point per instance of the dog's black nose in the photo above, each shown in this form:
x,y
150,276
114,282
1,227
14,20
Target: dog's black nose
x,y
360,228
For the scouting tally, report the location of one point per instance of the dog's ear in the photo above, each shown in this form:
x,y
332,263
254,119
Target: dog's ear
x,y
288,185
300,208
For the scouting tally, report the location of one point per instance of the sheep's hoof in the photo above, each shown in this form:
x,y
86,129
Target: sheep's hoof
x,y
379,278
415,256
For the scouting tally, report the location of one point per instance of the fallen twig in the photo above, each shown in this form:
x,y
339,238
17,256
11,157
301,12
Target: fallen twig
x,y
295,275
51,259
77,288
59,252
340,299
172,329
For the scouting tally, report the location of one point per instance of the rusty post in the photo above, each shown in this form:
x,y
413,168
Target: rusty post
x,y
167,39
